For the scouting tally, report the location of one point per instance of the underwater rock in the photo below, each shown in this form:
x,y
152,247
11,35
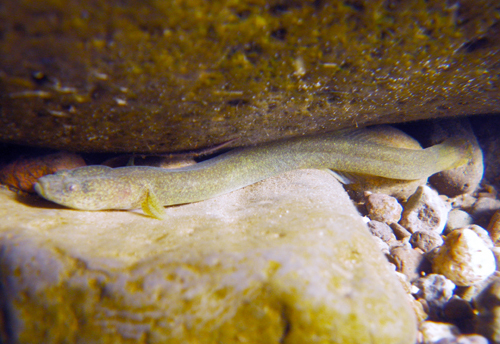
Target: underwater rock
x,y
286,260
425,211
383,208
464,258
156,76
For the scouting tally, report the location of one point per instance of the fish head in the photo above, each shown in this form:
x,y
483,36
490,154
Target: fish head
x,y
85,189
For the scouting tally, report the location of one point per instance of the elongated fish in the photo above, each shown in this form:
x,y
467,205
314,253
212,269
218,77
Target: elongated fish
x,y
151,188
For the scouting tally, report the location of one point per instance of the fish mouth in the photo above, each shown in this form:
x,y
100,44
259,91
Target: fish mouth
x,y
39,189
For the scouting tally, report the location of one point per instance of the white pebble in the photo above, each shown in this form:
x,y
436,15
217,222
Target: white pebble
x,y
464,258
435,331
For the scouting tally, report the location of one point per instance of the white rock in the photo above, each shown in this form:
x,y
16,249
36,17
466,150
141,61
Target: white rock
x,y
464,258
425,211
435,331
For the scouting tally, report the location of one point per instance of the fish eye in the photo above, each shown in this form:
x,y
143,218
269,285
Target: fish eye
x,y
72,187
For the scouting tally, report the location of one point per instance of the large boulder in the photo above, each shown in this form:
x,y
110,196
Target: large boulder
x,y
287,260
163,76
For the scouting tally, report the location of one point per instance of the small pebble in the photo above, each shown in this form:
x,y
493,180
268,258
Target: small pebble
x,y
464,258
483,210
458,219
381,230
408,261
488,305
425,211
458,308
383,208
433,332
399,231
464,339
436,290
494,227
426,241
464,202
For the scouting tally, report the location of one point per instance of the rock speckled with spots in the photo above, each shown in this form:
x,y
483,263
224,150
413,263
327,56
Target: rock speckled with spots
x,y
425,211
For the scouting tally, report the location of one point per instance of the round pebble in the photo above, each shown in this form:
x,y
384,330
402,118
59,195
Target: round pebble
x,y
408,261
426,241
381,230
484,208
425,211
436,290
434,332
399,231
494,227
458,219
465,178
488,305
383,208
458,308
464,258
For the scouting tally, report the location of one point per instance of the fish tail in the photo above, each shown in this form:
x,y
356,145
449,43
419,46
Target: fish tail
x,y
454,152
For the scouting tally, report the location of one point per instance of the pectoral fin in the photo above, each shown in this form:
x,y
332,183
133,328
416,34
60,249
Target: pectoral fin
x,y
152,206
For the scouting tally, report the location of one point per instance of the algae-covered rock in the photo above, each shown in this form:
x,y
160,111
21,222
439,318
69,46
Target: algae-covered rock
x,y
157,76
287,260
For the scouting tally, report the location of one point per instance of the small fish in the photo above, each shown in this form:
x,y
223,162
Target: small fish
x,y
151,188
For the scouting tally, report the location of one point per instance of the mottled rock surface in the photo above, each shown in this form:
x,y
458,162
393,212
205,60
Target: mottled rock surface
x,y
287,260
158,76
425,211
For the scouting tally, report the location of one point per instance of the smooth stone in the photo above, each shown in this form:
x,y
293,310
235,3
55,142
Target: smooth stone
x,y
426,241
399,231
458,218
381,230
434,332
484,209
463,179
494,227
464,258
409,261
461,313
383,208
436,290
425,211
287,260
488,305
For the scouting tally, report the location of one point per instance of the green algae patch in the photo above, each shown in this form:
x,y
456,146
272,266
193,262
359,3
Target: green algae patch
x,y
158,76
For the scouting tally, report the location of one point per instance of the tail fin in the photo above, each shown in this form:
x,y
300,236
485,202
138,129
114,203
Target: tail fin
x,y
454,152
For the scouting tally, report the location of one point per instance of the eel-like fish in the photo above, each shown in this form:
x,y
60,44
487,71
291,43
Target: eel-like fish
x,y
151,188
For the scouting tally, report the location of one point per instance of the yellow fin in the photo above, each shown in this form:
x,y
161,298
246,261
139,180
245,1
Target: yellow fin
x,y
152,206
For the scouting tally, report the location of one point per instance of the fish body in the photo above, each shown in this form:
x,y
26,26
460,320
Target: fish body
x,y
151,188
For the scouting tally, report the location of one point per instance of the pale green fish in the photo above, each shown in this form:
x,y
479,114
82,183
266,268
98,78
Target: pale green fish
x,y
151,188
